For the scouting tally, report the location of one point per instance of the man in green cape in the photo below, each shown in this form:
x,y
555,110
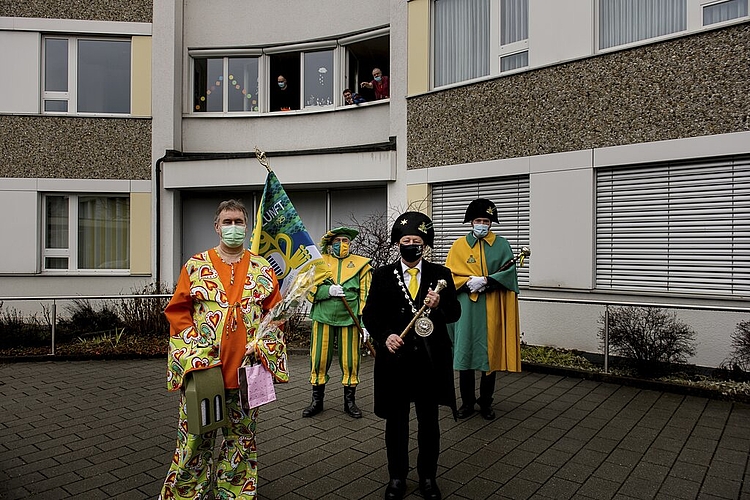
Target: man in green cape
x,y
487,336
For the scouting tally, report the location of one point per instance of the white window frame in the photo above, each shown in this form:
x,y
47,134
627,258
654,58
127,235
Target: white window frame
x,y
336,81
712,3
509,49
71,95
339,47
497,50
225,57
71,253
342,59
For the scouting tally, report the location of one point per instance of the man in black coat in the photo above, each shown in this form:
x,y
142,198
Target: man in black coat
x,y
414,368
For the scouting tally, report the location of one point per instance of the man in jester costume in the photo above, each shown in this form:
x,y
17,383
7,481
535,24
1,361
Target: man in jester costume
x,y
487,336
335,302
220,298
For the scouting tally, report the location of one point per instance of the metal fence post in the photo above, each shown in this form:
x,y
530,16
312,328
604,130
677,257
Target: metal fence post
x,y
54,322
606,338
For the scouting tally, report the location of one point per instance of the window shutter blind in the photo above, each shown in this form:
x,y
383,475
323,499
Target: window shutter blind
x,y
681,228
511,197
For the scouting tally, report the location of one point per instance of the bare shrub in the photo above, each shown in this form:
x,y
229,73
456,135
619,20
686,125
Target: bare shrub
x,y
651,337
297,328
144,317
740,357
86,320
374,239
17,330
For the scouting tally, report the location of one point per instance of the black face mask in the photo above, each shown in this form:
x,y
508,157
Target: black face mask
x,y
410,253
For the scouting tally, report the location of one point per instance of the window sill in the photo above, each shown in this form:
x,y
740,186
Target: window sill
x,y
87,272
306,111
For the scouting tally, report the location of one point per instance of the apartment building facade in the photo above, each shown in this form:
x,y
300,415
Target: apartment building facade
x,y
614,135
218,100
75,122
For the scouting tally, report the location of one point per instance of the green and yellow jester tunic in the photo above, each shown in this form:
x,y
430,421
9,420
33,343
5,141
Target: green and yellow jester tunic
x,y
353,273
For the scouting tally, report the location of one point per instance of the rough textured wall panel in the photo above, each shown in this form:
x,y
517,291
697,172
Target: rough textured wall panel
x,y
95,10
75,148
691,86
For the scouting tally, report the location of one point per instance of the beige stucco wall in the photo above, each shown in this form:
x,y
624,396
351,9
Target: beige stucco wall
x,y
140,233
686,87
418,55
141,76
419,198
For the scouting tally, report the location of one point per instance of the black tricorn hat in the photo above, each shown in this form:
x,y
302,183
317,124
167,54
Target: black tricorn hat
x,y
413,224
481,208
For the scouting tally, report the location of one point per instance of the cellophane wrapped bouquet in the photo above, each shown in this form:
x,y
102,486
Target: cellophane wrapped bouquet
x,y
268,343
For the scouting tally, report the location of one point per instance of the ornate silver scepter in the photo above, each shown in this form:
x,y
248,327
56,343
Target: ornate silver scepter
x,y
422,324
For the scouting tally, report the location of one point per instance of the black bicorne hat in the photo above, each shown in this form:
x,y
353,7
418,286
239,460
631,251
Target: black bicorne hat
x,y
481,208
413,224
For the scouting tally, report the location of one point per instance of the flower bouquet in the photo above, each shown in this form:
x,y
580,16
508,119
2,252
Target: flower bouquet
x,y
267,344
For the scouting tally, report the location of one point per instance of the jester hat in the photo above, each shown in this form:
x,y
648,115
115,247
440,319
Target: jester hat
x,y
327,238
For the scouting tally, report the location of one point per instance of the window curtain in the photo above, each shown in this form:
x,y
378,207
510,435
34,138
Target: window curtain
x,y
57,222
103,233
461,40
724,11
514,21
520,60
627,21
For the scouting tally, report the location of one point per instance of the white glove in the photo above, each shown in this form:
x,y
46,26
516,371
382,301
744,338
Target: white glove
x,y
476,283
365,335
336,291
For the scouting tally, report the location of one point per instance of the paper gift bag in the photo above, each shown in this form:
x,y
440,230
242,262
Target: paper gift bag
x,y
256,386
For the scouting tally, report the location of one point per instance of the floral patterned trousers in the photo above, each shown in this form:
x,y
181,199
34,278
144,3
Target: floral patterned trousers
x,y
191,473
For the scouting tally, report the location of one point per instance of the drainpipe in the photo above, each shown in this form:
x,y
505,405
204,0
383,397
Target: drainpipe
x,y
170,153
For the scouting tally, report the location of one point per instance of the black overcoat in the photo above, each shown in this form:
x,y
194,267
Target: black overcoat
x,y
389,310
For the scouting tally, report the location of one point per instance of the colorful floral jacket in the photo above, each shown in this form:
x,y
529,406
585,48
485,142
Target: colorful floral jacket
x,y
197,347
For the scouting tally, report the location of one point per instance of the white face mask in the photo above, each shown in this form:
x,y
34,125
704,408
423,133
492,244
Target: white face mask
x,y
481,230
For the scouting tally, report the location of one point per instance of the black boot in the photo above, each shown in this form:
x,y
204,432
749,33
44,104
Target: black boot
x,y
350,406
316,406
486,390
466,387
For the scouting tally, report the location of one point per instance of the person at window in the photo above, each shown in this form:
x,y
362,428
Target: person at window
x,y
283,96
350,98
333,324
414,368
379,84
487,337
218,302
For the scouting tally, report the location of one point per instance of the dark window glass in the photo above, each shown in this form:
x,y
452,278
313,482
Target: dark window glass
x,y
55,65
103,76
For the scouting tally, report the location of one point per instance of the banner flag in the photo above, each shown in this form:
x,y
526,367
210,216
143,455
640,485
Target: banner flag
x,y
280,236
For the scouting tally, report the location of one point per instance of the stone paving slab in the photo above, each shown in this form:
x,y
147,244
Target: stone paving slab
x,y
106,429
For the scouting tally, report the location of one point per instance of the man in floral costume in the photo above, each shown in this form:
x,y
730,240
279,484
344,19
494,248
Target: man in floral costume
x,y
214,313
333,321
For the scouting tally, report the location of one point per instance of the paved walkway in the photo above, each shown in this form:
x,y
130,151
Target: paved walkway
x,y
106,429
